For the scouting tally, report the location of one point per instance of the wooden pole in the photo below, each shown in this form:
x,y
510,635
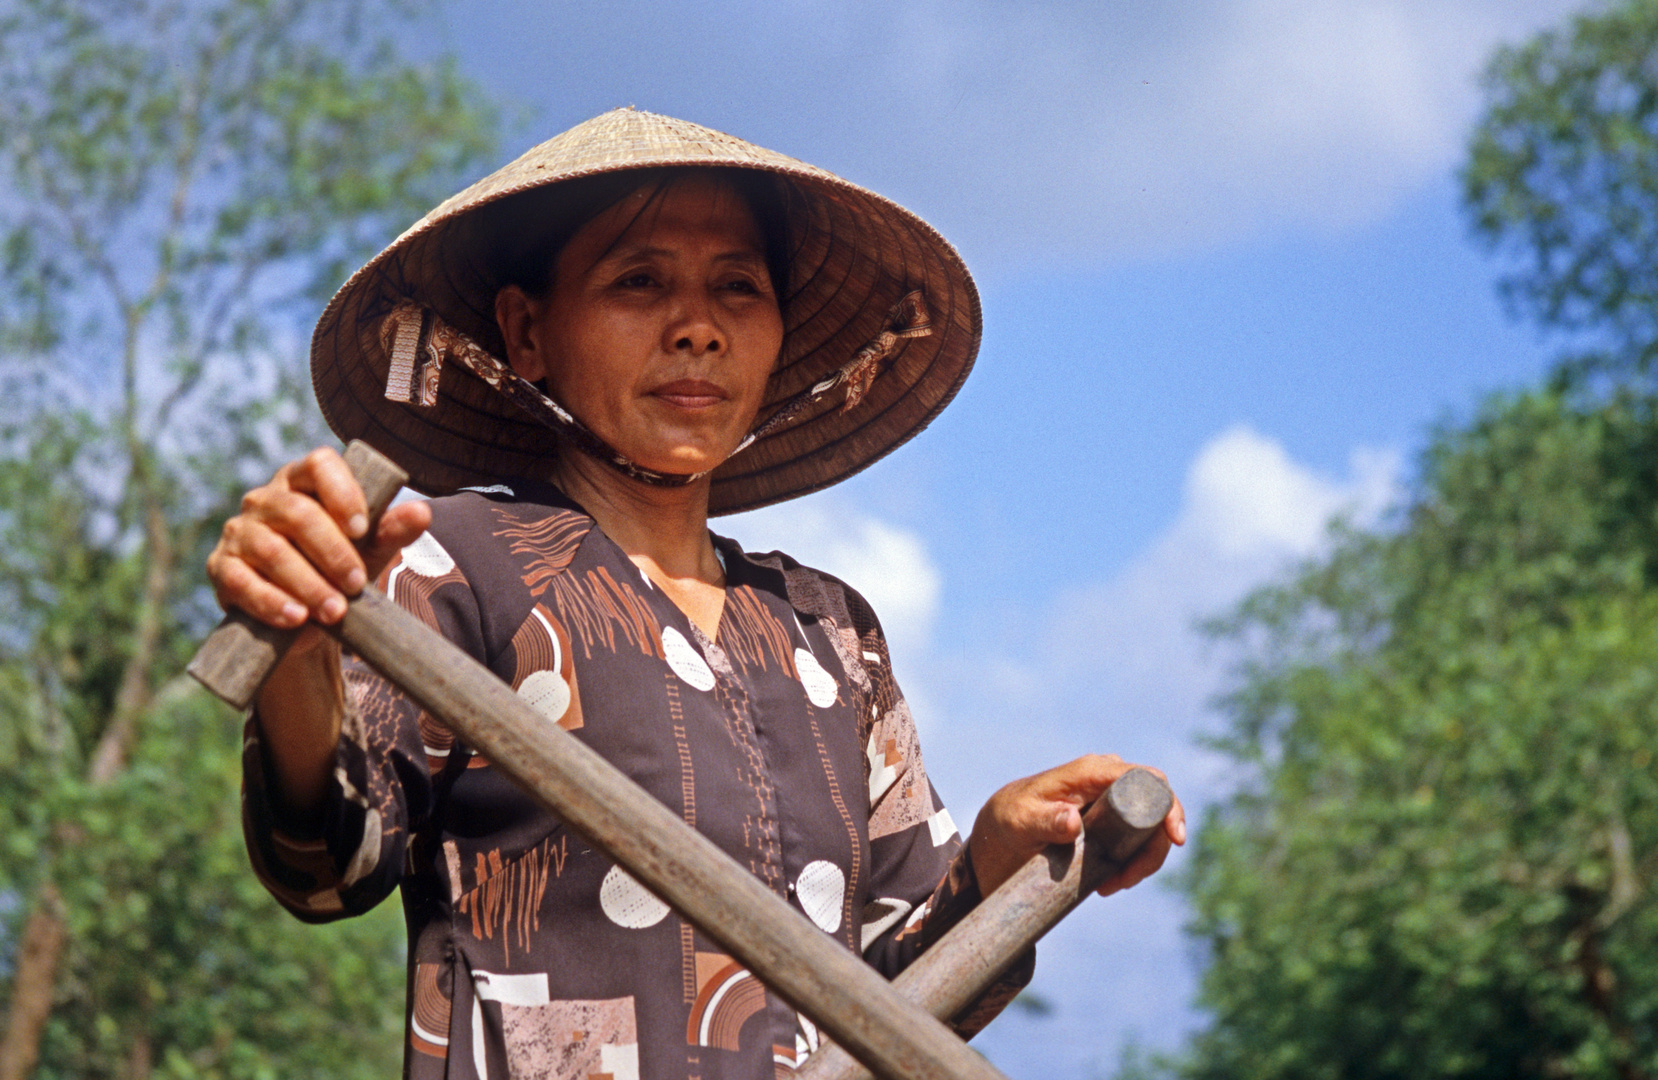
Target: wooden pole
x,y
964,962
844,996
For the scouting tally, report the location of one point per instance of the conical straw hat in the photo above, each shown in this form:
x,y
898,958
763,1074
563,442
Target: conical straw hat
x,y
853,257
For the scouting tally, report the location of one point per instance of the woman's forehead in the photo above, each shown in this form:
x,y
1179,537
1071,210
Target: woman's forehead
x,y
698,205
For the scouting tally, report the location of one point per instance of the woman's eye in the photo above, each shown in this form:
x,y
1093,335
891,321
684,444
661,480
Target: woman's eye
x,y
639,280
742,285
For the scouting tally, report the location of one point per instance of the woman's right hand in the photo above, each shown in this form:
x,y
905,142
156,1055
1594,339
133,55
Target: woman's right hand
x,y
289,556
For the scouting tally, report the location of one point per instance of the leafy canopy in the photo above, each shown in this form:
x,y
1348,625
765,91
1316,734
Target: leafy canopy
x,y
1444,867
1562,179
180,184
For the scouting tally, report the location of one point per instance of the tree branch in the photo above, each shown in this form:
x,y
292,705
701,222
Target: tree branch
x,y
33,984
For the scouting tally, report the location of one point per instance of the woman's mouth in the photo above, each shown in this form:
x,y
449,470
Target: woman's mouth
x,y
690,393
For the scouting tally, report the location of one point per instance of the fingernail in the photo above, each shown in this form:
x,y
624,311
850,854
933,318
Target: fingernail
x,y
292,613
332,609
357,525
1180,831
1062,820
355,580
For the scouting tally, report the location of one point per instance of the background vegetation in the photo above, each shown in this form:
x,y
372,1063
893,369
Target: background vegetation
x,y
1443,865
182,185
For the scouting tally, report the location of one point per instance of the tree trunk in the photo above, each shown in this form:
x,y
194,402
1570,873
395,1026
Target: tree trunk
x,y
133,695
33,984
43,935
1599,985
138,1057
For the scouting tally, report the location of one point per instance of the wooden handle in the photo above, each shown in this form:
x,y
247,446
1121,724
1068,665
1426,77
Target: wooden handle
x,y
964,962
240,653
801,964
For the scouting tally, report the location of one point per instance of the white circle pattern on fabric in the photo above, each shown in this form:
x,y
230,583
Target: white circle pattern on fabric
x,y
822,888
427,558
627,903
547,692
820,685
687,663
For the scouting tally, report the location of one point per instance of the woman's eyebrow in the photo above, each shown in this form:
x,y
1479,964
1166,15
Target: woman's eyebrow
x,y
742,255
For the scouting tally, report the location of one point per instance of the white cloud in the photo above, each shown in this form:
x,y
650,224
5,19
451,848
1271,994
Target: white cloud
x,y
1084,129
1115,664
1124,652
1200,123
1249,512
1120,668
1246,500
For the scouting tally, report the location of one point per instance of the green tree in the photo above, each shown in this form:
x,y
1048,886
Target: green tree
x,y
182,183
1562,178
1444,866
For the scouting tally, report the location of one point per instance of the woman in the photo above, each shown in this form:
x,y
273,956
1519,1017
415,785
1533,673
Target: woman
x,y
636,324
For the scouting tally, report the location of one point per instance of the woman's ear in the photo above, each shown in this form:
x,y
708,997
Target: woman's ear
x,y
519,319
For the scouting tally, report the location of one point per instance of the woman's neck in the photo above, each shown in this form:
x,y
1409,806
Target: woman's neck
x,y
664,531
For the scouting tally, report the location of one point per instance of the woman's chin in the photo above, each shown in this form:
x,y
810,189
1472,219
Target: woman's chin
x,y
678,453
677,461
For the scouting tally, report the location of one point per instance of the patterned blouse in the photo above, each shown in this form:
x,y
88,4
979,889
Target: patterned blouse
x,y
784,740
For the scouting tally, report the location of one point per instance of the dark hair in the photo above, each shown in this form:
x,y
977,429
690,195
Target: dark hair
x,y
525,233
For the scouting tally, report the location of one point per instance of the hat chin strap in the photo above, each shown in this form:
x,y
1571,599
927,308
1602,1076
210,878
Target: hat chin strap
x,y
418,341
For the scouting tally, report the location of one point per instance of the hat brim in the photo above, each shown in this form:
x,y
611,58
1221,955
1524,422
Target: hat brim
x,y
854,254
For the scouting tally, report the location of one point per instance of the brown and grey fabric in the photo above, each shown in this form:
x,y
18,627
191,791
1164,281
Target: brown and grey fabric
x,y
784,739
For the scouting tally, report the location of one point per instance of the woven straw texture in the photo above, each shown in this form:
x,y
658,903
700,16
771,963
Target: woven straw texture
x,y
853,255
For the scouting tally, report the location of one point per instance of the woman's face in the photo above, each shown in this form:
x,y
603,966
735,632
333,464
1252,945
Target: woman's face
x,y
661,327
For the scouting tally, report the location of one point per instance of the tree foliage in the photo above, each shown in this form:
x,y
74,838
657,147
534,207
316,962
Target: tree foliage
x,y
1446,866
182,182
1562,177
1444,863
177,963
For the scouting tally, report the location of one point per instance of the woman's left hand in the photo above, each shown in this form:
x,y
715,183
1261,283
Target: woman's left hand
x,y
1027,815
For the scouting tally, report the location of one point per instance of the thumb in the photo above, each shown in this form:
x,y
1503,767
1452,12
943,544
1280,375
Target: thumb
x,y
400,526
1065,824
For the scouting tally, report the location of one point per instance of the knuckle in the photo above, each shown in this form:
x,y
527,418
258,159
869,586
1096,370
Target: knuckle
x,y
266,604
245,588
284,504
221,567
235,576
294,512
266,546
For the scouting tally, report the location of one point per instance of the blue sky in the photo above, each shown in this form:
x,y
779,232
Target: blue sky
x,y
1227,291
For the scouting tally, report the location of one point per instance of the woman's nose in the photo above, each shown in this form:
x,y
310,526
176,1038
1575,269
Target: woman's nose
x,y
707,341
694,329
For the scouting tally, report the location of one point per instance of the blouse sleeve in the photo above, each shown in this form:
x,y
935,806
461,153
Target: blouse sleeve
x,y
385,764
922,881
